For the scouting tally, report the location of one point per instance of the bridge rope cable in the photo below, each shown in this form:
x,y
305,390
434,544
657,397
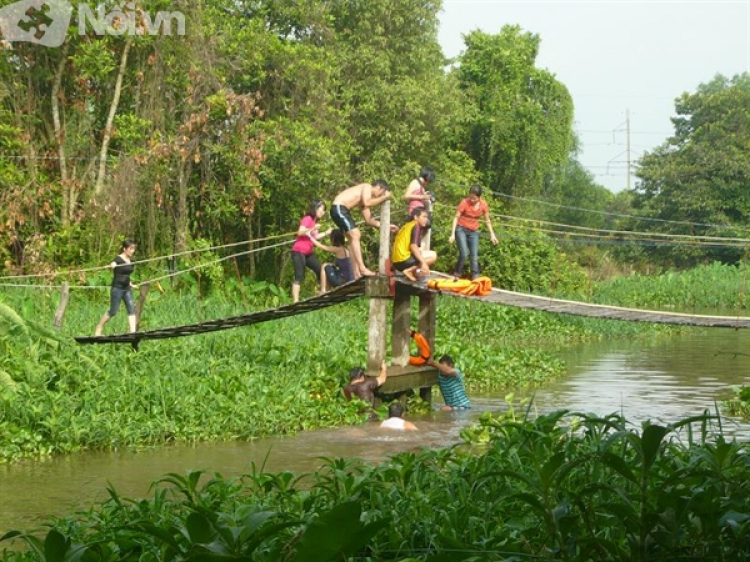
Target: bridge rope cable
x,y
566,239
343,293
561,234
154,280
565,236
598,211
173,274
148,260
100,268
201,265
652,236
629,232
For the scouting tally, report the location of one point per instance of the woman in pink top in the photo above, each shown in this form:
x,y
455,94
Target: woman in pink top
x,y
465,229
302,250
416,194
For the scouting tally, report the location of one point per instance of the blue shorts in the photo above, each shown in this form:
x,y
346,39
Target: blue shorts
x,y
116,296
342,218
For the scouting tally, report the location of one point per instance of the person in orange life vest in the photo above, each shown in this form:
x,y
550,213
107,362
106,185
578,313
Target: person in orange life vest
x,y
416,194
465,230
408,257
302,249
396,418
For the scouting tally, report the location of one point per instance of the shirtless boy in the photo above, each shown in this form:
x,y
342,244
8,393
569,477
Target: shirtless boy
x,y
364,387
365,196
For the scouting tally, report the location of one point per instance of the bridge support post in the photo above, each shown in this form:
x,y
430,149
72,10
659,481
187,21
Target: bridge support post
x,y
427,324
401,327
142,294
60,312
379,291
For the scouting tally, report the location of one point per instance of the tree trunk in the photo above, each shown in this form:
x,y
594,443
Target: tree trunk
x,y
182,212
60,138
110,119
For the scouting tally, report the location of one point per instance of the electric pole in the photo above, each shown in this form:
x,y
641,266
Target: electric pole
x,y
627,134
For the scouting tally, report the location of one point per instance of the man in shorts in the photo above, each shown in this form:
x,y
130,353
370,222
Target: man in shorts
x,y
365,196
408,256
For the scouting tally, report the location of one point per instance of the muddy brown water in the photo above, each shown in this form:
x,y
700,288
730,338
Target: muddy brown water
x,y
663,380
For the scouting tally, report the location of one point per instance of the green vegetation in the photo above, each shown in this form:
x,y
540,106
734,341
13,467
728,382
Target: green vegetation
x,y
228,132
713,286
58,397
559,487
739,403
700,174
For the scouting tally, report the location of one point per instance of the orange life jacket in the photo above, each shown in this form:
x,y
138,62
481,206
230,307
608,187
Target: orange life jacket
x,y
424,350
480,286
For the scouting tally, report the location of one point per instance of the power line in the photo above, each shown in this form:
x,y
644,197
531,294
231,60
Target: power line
x,y
620,215
600,212
628,232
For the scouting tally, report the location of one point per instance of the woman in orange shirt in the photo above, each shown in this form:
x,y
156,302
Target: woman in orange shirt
x,y
465,229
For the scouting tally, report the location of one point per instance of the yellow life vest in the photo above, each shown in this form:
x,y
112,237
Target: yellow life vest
x,y
480,286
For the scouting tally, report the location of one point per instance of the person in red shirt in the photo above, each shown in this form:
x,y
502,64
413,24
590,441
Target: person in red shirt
x,y
465,229
302,249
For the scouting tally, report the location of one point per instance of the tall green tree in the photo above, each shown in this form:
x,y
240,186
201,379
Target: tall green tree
x,y
521,134
700,175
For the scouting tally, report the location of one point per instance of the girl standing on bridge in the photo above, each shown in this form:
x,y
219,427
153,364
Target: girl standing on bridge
x,y
122,269
302,250
465,230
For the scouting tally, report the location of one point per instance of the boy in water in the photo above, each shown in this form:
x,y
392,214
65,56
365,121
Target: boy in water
x,y
364,387
451,383
365,196
396,418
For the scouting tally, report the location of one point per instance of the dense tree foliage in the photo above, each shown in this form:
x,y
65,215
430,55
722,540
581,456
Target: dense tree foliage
x,y
700,174
226,133
520,134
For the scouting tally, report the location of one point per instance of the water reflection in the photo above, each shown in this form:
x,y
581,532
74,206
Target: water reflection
x,y
663,380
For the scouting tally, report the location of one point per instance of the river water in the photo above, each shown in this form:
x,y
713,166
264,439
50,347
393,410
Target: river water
x,y
662,380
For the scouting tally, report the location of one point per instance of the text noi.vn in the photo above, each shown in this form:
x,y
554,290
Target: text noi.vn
x,y
128,21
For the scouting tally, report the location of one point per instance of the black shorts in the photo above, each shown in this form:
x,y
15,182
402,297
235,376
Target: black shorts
x,y
406,264
342,218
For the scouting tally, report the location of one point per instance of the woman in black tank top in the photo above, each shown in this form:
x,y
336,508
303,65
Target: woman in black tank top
x,y
122,268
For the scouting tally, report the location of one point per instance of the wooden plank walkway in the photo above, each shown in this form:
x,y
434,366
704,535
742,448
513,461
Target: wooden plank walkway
x,y
344,293
356,289
561,306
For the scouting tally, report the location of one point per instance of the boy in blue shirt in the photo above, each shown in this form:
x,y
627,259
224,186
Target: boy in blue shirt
x,y
451,384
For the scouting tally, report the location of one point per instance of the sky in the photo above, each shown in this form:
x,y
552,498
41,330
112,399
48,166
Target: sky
x,y
621,60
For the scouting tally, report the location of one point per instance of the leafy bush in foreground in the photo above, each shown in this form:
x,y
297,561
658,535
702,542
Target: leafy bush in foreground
x,y
562,487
